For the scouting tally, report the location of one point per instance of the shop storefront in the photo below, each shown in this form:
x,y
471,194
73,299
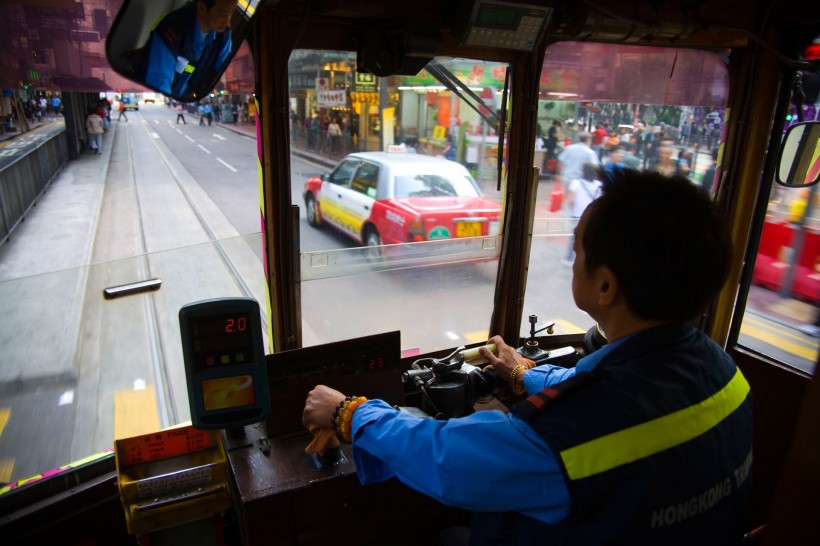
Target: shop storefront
x,y
431,114
375,113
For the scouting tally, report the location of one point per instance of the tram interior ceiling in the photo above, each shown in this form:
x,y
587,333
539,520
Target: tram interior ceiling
x,y
396,52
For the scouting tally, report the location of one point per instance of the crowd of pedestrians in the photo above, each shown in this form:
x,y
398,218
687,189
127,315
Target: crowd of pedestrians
x,y
661,149
335,135
584,162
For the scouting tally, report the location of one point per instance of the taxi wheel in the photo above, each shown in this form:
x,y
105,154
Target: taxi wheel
x,y
312,213
373,243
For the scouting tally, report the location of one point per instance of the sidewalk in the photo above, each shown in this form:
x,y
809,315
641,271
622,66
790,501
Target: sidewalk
x,y
43,271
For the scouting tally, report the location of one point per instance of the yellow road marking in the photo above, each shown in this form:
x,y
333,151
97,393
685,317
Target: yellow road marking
x,y
809,353
476,337
6,468
569,327
135,413
5,413
772,327
6,465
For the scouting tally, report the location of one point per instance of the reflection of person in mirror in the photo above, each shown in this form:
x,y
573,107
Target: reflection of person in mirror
x,y
188,46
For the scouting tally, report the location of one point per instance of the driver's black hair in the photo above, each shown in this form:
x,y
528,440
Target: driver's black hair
x,y
663,239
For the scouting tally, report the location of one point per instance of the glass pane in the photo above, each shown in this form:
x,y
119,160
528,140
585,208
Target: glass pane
x,y
402,235
89,370
438,293
782,318
633,119
175,202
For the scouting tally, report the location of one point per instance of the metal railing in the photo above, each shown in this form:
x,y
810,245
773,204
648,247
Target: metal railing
x,y
22,182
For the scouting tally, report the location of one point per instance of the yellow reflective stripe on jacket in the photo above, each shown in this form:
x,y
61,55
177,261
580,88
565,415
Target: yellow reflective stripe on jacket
x,y
189,68
631,444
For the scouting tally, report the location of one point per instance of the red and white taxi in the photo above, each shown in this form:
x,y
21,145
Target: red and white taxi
x,y
384,198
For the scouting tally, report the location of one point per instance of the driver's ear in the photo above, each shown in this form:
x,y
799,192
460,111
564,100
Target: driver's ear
x,y
607,285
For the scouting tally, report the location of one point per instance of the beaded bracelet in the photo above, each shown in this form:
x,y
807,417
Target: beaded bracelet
x,y
343,416
514,387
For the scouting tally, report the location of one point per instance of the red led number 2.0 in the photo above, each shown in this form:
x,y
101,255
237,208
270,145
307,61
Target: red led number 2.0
x,y
233,325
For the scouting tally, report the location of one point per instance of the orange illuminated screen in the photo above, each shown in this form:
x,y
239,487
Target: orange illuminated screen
x,y
228,392
162,445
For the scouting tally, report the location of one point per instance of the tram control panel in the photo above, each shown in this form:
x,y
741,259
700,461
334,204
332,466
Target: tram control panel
x,y
504,25
366,366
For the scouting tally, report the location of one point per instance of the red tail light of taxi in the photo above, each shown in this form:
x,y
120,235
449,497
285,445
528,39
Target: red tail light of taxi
x,y
415,231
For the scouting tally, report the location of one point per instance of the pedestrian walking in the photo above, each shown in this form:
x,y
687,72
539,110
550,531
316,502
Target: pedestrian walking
x,y
581,192
94,127
180,114
122,112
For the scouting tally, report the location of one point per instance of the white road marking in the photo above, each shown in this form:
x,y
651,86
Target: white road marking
x,y
452,335
204,149
231,168
220,137
66,398
139,384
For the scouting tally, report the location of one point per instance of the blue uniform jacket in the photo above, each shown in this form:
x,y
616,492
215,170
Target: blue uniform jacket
x,y
179,57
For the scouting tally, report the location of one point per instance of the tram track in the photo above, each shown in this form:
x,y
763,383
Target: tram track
x,y
168,408
168,412
225,257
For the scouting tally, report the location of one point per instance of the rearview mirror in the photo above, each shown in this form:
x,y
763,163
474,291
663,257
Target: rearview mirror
x,y
178,47
799,163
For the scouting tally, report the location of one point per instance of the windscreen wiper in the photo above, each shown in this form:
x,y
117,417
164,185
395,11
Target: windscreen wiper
x,y
503,122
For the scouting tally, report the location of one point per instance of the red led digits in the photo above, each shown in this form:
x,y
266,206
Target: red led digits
x,y
233,325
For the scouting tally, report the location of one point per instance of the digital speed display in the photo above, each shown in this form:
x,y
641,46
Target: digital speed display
x,y
496,16
221,340
224,362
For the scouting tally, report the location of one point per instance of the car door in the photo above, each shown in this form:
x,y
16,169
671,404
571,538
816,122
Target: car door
x,y
333,191
360,197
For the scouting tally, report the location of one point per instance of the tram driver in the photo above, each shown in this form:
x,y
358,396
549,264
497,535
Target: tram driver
x,y
188,46
647,440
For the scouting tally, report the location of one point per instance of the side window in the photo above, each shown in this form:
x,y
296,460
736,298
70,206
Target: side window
x,y
341,175
782,315
603,106
366,180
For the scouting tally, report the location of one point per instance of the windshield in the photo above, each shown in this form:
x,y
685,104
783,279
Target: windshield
x,y
366,255
429,185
